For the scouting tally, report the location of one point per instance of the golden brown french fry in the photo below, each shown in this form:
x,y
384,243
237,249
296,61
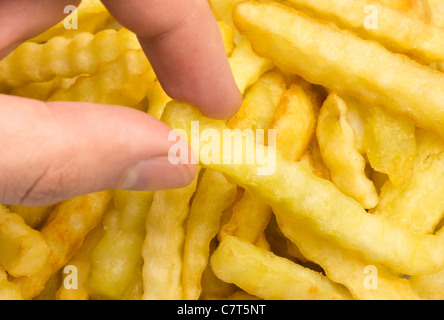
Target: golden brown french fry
x,y
395,29
248,220
163,244
294,122
267,276
338,148
227,33
8,290
64,232
295,191
23,250
341,61
214,194
260,103
33,216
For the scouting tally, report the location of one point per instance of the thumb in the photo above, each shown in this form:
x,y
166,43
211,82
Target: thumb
x,y
59,150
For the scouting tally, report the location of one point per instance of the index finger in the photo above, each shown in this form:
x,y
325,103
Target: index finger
x,y
183,43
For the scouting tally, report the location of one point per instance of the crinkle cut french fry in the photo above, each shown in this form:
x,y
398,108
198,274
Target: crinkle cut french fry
x,y
260,103
214,194
124,81
91,16
8,290
33,216
163,244
388,140
64,232
265,275
23,250
395,29
418,204
248,220
67,58
247,66
341,61
79,270
295,191
294,122
338,149
249,216
346,267
117,256
42,90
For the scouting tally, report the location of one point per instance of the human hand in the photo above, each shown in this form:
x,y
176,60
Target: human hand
x,y
58,150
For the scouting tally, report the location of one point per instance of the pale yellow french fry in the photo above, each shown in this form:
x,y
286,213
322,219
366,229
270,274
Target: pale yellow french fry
x,y
222,10
23,250
415,8
388,141
123,81
364,280
267,276
247,66
417,204
90,16
429,286
393,28
338,149
295,191
242,295
75,278
117,256
33,216
214,194
157,99
67,58
163,244
249,216
343,62
64,232
8,290
436,10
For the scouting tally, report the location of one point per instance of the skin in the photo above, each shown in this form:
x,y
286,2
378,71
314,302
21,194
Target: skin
x,y
58,150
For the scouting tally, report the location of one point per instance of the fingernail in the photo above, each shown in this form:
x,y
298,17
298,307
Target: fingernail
x,y
157,174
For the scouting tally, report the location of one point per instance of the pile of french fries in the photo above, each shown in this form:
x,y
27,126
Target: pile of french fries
x,y
354,90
